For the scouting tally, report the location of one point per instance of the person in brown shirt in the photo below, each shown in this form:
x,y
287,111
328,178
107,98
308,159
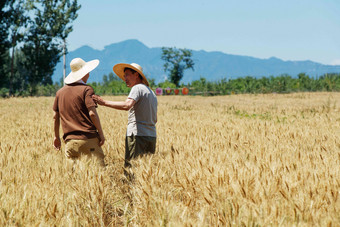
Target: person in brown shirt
x,y
76,110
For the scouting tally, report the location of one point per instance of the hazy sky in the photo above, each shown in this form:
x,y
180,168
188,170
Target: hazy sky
x,y
289,30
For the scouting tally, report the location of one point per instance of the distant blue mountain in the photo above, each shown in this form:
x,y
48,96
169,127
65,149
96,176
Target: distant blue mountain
x,y
211,65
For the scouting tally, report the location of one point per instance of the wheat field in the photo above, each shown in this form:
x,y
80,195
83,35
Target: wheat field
x,y
239,160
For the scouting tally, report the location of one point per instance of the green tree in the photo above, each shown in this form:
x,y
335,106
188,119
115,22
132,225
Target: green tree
x,y
49,27
18,78
152,82
166,84
105,81
16,25
4,43
176,61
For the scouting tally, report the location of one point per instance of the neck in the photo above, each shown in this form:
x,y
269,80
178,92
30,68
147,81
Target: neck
x,y
139,82
81,81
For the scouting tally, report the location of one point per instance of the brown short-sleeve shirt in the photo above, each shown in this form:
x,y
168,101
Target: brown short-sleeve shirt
x,y
73,102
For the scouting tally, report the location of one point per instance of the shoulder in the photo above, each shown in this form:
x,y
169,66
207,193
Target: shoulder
x,y
60,91
136,89
87,89
141,87
138,86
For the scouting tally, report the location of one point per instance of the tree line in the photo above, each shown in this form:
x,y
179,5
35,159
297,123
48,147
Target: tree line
x,y
32,39
113,85
273,84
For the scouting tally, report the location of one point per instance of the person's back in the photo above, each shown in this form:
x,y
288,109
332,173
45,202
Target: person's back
x,y
75,109
73,102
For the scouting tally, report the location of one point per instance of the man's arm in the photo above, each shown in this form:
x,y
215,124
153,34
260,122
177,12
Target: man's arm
x,y
56,141
96,121
122,105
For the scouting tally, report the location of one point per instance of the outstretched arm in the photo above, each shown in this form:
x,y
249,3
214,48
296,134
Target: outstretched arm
x,y
122,105
56,141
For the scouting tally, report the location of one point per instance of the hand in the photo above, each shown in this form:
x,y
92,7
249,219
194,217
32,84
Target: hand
x,y
101,140
98,99
56,143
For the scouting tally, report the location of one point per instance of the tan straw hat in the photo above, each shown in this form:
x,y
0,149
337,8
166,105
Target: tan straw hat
x,y
119,70
79,69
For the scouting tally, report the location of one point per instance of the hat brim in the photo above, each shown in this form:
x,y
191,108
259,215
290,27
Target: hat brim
x,y
119,70
75,76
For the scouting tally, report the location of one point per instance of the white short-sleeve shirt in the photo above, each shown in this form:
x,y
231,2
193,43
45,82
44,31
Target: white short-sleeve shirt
x,y
143,115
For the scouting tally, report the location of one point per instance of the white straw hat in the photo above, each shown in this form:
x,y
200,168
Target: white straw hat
x,y
79,69
119,70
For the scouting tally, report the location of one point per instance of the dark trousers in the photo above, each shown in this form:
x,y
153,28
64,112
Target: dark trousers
x,y
138,146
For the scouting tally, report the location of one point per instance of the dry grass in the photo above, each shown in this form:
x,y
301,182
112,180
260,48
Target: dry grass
x,y
268,160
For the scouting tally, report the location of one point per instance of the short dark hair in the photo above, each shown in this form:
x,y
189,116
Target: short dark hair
x,y
133,71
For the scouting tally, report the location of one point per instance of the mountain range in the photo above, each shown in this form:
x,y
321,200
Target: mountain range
x,y
212,65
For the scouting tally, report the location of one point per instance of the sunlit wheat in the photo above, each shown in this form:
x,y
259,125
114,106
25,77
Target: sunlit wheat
x,y
265,160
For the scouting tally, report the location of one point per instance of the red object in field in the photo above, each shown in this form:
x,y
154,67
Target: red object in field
x,y
185,91
159,91
168,91
176,91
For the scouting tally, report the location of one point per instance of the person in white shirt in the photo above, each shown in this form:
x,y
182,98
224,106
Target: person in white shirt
x,y
142,106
